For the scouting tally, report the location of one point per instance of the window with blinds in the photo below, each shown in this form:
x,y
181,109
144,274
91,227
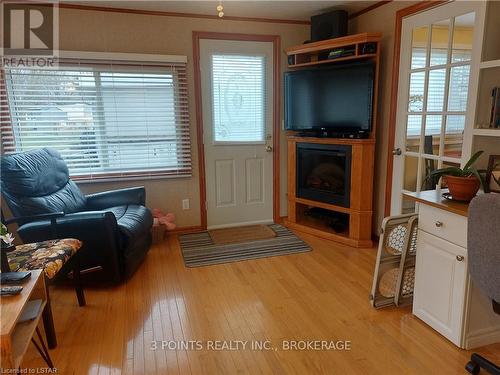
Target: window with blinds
x,y
238,87
457,92
107,119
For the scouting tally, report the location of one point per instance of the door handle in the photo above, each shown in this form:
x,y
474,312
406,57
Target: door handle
x,y
460,258
269,148
396,151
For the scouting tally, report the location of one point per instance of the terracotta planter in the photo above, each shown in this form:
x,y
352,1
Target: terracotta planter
x,y
463,188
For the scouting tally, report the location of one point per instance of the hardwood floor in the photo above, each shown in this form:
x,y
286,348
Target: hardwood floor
x,y
320,295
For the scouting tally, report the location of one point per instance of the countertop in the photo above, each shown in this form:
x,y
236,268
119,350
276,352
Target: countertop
x,y
434,198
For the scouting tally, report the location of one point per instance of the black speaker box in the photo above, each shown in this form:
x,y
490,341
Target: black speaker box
x,y
329,25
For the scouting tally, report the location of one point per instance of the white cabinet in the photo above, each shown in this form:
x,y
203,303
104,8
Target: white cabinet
x,y
444,295
440,283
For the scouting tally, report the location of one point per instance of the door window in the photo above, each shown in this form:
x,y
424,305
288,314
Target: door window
x,y
238,88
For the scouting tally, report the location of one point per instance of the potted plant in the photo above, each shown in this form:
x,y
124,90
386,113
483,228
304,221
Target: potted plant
x,y
463,183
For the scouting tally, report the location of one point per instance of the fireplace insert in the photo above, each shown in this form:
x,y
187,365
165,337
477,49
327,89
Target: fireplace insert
x,y
324,173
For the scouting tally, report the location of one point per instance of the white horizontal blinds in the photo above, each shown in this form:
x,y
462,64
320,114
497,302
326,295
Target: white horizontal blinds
x,y
457,91
238,87
106,118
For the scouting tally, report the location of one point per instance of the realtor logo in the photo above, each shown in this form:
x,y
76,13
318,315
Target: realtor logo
x,y
29,29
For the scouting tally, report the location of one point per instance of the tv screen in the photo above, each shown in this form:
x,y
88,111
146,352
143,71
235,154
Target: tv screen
x,y
336,98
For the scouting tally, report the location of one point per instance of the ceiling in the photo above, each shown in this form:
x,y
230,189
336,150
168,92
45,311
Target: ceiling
x,y
290,10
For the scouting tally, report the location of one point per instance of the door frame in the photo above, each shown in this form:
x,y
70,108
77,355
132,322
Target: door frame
x,y
276,40
400,14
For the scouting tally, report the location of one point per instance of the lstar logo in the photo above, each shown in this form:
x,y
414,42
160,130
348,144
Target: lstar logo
x,y
29,29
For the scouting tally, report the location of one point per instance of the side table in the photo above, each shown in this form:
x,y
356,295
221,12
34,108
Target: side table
x,y
15,336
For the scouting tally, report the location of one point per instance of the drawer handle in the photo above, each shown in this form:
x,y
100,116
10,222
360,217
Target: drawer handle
x,y
460,258
439,224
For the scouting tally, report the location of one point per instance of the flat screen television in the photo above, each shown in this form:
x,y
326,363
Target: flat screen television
x,y
330,100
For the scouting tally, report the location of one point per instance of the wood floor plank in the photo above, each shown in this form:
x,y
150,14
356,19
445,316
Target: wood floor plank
x,y
319,295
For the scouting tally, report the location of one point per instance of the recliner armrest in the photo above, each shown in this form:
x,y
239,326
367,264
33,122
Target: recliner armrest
x,y
70,225
120,197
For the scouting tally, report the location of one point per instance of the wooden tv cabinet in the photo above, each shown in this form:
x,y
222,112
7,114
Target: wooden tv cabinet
x,y
362,47
360,211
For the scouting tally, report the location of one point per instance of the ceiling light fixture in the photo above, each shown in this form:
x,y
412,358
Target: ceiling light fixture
x,y
220,10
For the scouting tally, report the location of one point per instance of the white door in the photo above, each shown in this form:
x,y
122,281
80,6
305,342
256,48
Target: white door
x,y
237,93
440,281
438,49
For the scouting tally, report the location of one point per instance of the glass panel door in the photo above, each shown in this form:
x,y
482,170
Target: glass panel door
x,y
436,56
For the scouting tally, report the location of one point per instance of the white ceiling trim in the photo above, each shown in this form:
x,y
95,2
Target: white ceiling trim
x,y
293,10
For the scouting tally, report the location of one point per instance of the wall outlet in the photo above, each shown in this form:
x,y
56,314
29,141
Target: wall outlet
x,y
185,204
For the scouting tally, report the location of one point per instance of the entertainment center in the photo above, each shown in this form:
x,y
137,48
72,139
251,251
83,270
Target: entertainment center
x,y
331,137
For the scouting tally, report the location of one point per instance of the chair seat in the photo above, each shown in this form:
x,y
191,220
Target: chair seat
x,y
47,255
133,220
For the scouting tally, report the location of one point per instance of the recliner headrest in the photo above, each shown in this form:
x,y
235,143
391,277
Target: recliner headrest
x,y
33,173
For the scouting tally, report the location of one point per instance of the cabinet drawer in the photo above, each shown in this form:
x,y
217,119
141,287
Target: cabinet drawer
x,y
443,224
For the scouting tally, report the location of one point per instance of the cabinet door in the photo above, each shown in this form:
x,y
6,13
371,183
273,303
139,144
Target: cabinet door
x,y
440,280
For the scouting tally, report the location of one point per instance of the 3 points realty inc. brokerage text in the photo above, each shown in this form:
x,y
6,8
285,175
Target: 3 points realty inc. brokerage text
x,y
232,345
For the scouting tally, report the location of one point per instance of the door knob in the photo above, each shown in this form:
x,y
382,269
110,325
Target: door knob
x,y
396,151
460,258
438,224
269,148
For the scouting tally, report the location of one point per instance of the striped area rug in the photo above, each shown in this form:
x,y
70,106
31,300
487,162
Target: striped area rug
x,y
199,250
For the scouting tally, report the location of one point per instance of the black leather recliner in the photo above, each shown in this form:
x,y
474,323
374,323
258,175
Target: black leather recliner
x,y
115,226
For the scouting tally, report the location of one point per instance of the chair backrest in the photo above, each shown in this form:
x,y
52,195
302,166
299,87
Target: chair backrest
x,y
37,182
483,243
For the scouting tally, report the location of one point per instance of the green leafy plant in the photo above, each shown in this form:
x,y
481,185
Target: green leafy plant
x,y
467,171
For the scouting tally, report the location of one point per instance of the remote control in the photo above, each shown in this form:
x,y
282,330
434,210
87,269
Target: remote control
x,y
10,290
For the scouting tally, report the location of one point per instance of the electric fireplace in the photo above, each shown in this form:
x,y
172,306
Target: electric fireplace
x,y
324,173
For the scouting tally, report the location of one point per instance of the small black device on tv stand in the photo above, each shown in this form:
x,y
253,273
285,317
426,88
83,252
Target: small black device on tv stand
x,y
325,133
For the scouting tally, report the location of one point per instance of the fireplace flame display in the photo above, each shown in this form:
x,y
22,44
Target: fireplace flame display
x,y
323,173
327,176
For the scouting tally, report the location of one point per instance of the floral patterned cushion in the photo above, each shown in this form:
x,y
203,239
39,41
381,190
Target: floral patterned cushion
x,y
50,255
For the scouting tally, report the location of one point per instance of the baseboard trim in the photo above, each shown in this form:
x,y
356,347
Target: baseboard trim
x,y
482,337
